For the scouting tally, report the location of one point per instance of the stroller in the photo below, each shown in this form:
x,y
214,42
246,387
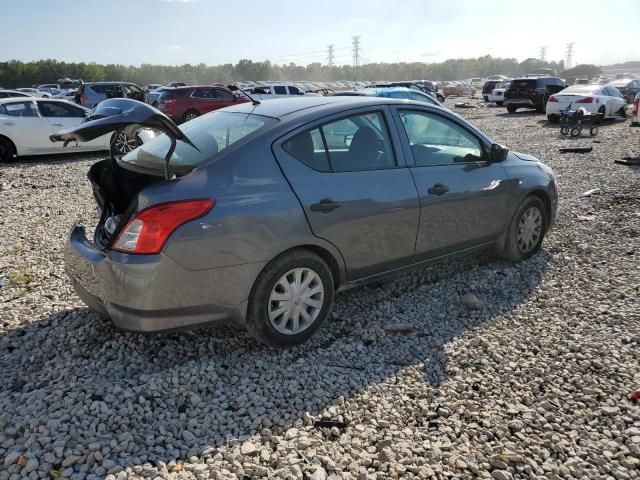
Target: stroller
x,y
572,121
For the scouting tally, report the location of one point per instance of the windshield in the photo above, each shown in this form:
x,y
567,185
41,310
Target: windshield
x,y
211,133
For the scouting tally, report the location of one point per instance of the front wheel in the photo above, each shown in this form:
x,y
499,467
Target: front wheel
x,y
291,299
511,108
526,231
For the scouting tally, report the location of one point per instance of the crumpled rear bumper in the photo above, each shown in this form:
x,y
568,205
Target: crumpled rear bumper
x,y
149,293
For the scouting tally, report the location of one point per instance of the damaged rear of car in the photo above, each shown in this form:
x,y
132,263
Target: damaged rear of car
x,y
139,267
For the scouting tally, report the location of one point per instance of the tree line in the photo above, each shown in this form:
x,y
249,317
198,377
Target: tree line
x,y
15,73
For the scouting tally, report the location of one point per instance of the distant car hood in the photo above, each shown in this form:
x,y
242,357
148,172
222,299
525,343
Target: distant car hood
x,y
121,114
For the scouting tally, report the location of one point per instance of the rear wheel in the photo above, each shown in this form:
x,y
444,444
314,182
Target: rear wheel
x,y
526,231
190,115
553,118
575,131
7,150
499,103
602,111
511,108
291,299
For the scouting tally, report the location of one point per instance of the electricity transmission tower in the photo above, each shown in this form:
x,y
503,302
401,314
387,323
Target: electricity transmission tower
x,y
569,55
356,50
330,55
543,53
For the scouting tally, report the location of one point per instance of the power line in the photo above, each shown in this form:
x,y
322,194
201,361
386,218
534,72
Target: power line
x,y
569,61
356,50
330,55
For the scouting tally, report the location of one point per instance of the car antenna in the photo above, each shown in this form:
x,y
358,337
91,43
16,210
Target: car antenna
x,y
253,100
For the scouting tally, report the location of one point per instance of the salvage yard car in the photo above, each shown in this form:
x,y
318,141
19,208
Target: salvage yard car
x,y
182,104
27,123
531,92
602,99
259,212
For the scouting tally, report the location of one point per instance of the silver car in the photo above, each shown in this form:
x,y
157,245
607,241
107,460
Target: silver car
x,y
258,213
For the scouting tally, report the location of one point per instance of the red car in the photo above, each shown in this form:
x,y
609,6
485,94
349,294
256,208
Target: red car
x,y
182,104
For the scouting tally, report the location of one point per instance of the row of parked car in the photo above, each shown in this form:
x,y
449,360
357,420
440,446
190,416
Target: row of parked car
x,y
551,95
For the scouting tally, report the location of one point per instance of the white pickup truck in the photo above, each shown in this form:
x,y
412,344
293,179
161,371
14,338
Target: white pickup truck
x,y
271,91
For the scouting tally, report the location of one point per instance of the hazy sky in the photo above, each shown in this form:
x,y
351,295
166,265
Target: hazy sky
x,y
213,31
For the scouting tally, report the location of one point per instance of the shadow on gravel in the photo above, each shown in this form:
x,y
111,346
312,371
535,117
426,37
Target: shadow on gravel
x,y
73,378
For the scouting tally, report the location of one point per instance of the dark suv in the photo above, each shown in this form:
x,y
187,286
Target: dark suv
x,y
531,92
487,88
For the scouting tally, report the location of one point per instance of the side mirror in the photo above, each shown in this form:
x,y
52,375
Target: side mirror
x,y
498,152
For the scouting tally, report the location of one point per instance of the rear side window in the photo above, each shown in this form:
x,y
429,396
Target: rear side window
x,y
526,84
203,93
21,109
279,90
98,88
59,109
358,142
294,91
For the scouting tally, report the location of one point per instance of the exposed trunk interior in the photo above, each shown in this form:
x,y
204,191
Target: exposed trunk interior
x,y
115,190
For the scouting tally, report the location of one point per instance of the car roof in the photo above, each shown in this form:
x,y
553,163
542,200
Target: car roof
x,y
37,99
281,108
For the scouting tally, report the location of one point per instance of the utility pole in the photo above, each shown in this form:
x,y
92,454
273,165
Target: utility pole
x,y
356,50
569,61
543,53
330,55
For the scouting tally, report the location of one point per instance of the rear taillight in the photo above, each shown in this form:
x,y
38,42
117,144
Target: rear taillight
x,y
83,98
147,232
585,100
552,99
634,110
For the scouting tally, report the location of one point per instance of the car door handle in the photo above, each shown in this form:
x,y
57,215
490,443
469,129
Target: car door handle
x,y
58,125
326,205
438,189
9,124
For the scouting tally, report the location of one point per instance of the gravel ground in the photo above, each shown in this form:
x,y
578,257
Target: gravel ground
x,y
510,370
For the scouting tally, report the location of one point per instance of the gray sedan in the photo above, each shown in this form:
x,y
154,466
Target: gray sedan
x,y
258,213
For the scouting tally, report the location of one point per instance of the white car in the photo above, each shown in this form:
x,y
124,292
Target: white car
x,y
34,92
497,94
69,95
603,99
26,123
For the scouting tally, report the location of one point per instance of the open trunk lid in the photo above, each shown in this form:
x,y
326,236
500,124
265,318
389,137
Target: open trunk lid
x,y
116,184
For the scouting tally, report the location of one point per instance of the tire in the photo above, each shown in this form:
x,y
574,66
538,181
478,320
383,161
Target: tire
x,y
513,247
280,271
7,150
593,131
575,132
602,111
511,108
190,115
499,103
564,130
553,118
121,143
542,107
486,98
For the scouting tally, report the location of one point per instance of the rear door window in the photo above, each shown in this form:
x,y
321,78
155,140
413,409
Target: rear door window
x,y
21,109
355,143
280,90
203,93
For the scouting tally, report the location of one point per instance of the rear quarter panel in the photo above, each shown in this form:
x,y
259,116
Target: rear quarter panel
x,y
256,216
